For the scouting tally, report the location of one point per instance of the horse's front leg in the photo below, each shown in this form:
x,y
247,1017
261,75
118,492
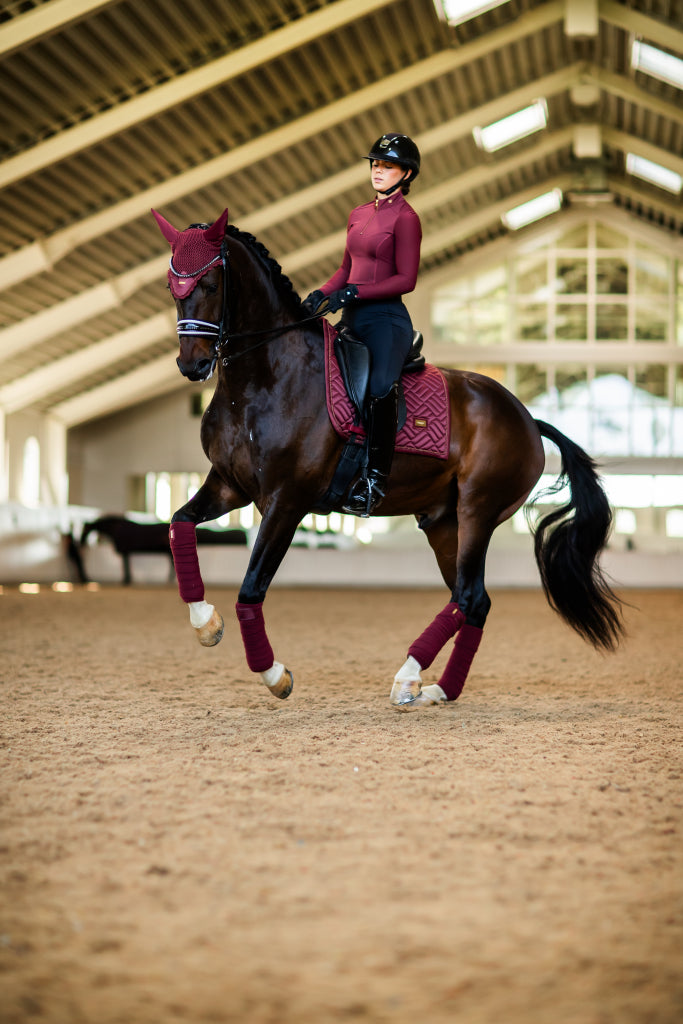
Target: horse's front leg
x,y
274,538
213,499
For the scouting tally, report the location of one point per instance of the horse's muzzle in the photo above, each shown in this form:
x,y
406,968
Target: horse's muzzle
x,y
198,370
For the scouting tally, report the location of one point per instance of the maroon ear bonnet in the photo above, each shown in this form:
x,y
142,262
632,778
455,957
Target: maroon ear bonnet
x,y
194,252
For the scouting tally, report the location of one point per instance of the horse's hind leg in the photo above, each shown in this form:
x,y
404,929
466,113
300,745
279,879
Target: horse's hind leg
x,y
407,692
463,617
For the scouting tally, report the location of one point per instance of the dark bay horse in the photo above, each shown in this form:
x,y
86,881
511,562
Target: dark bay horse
x,y
269,439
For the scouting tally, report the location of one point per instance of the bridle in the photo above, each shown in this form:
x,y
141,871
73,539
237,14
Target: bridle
x,y
189,327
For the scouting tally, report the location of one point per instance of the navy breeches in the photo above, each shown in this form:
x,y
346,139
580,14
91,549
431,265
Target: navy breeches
x,y
387,330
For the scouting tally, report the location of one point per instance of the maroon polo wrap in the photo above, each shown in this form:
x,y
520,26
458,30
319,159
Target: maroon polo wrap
x,y
194,252
183,538
466,645
256,644
439,632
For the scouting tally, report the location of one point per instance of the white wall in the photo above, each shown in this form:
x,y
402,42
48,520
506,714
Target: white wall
x,y
159,435
51,436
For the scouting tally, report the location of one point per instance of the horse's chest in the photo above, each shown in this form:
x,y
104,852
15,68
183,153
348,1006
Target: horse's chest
x,y
236,448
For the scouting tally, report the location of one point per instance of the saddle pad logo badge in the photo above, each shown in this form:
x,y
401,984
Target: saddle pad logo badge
x,y
419,422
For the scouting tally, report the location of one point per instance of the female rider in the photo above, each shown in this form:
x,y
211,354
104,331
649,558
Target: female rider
x,y
380,265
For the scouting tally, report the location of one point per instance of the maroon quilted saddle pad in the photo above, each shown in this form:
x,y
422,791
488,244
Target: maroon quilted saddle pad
x,y
427,427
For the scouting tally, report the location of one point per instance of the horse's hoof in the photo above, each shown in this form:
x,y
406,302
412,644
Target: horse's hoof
x,y
279,680
211,633
404,691
428,697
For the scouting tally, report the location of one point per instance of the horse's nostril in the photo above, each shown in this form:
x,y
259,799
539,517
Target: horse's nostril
x,y
197,370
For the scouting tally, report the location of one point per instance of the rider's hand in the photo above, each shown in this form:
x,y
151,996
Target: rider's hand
x,y
312,302
341,298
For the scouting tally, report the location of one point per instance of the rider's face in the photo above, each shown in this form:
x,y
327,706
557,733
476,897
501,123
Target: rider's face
x,y
384,174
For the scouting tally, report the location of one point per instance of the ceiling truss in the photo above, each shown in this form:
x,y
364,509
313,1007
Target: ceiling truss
x,y
82,265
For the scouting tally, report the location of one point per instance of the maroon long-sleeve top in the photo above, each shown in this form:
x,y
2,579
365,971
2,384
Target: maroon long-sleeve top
x,y
382,254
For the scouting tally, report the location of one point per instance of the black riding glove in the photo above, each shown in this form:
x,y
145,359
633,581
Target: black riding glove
x,y
313,301
341,298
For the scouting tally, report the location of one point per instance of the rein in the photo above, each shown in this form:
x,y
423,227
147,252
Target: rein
x,y
219,331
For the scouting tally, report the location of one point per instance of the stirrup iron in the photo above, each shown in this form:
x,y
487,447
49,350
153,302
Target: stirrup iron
x,y
365,496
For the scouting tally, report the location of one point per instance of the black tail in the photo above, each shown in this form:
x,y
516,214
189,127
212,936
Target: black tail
x,y
567,544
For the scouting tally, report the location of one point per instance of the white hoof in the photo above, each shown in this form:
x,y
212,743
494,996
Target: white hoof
x,y
407,683
279,680
207,622
428,697
435,694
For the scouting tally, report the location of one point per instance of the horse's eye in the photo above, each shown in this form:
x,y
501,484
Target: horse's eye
x,y
211,289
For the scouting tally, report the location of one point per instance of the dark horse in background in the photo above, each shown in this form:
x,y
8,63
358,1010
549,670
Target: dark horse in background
x,y
268,436
132,538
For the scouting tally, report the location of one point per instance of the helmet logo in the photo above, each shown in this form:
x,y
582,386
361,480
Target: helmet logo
x,y
384,144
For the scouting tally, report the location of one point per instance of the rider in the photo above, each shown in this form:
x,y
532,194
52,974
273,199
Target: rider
x,y
380,265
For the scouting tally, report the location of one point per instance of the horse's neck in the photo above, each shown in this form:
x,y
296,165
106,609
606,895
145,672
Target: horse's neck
x,y
254,302
286,365
283,364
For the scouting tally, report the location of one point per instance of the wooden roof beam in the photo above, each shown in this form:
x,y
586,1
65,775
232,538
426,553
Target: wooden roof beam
x,y
183,87
155,378
45,20
630,20
44,254
51,378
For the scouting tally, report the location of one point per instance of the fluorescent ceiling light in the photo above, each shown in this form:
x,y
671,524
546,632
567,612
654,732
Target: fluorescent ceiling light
x,y
657,63
658,175
513,127
457,11
541,206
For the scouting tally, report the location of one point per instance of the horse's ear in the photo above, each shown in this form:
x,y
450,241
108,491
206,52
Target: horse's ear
x,y
217,230
168,231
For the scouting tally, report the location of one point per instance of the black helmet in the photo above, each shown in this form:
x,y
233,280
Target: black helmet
x,y
399,149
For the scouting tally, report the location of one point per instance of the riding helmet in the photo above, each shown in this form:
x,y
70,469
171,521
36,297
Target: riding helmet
x,y
399,149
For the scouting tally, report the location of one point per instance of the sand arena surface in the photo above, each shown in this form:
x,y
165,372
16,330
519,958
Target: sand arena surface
x,y
178,846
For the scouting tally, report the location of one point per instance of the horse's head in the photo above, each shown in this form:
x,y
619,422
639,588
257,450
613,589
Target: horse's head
x,y
196,279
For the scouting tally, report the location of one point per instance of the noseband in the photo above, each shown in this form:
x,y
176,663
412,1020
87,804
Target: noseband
x,y
189,327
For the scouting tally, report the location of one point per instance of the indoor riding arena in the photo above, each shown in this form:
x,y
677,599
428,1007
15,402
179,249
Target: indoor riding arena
x,y
182,839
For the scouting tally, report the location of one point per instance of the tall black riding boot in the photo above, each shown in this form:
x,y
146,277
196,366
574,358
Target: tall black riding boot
x,y
382,422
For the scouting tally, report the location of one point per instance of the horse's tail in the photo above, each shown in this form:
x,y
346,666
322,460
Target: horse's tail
x,y
567,545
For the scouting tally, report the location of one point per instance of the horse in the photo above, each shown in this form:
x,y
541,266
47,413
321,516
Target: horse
x,y
268,436
131,538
